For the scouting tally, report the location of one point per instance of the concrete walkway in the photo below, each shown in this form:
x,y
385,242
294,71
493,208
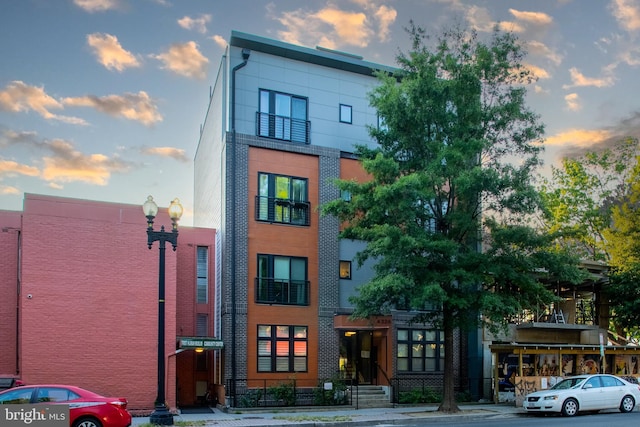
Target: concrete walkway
x,y
343,416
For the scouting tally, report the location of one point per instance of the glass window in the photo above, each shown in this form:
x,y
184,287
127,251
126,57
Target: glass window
x,y
282,280
345,113
202,281
282,199
282,348
345,269
420,350
283,116
202,320
20,395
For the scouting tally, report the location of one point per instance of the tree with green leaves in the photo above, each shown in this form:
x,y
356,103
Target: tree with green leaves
x,y
444,213
623,246
580,197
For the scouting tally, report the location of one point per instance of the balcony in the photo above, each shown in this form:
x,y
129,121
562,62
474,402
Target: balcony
x,y
283,128
284,211
278,291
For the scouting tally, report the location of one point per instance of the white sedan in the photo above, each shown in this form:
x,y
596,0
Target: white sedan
x,y
585,393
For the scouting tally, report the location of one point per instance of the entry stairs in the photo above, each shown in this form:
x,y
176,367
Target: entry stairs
x,y
371,396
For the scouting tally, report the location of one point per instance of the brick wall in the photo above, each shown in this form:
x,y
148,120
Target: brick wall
x,y
10,223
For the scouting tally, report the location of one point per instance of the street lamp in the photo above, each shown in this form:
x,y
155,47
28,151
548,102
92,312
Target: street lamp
x,y
161,414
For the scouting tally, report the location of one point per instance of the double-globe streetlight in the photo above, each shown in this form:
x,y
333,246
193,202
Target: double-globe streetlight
x,y
161,414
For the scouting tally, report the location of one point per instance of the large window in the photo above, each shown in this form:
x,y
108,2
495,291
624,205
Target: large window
x,y
202,280
283,116
420,350
282,199
282,280
282,348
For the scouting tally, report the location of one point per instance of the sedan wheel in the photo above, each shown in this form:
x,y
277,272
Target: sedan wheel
x,y
570,407
87,422
627,404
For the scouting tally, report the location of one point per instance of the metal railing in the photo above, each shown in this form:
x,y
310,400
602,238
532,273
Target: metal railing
x,y
283,127
269,290
284,211
279,392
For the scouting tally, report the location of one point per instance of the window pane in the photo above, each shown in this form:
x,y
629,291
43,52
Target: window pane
x,y
282,348
417,350
416,364
345,113
201,325
281,268
430,335
430,365
264,348
283,105
300,331
299,108
282,364
403,335
299,190
264,364
298,269
345,269
264,331
282,187
300,364
282,331
403,350
417,335
403,364
430,350
300,348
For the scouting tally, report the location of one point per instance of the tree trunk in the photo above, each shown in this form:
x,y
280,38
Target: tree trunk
x,y
449,403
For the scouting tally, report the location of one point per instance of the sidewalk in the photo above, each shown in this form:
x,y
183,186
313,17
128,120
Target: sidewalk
x,y
344,416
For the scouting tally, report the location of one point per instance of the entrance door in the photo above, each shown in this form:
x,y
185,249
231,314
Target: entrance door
x,y
357,356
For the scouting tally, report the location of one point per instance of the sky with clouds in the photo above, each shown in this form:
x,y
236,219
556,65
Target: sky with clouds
x,y
103,99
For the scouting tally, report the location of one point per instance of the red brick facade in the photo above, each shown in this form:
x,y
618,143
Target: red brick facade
x,y
88,302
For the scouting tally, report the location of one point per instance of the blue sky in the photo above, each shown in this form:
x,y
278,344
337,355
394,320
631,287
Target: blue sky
x,y
103,99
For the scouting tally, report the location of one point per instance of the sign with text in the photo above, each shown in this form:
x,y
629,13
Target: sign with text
x,y
34,415
199,342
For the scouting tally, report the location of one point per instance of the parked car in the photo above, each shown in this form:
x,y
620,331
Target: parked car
x,y
584,393
86,408
10,382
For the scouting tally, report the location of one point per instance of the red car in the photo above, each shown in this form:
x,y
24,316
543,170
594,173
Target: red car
x,y
86,408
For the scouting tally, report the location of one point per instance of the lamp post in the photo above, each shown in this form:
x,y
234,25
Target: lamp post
x,y
161,414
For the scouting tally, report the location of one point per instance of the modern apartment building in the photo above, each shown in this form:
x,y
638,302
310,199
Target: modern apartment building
x,y
282,123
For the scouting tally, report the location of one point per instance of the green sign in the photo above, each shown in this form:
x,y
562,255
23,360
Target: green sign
x,y
200,342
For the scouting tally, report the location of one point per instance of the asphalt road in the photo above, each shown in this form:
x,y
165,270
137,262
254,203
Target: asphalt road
x,y
614,419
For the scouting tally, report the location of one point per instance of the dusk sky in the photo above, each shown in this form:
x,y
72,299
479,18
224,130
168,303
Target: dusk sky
x,y
103,99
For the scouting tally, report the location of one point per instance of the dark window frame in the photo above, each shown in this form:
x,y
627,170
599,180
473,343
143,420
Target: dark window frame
x,y
273,356
411,358
278,290
347,264
346,109
294,210
290,125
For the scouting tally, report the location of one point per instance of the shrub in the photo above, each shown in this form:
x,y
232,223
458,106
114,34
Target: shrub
x,y
416,395
336,396
283,392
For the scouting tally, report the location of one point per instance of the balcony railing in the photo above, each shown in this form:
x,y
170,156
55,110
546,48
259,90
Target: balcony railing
x,y
283,127
284,211
278,291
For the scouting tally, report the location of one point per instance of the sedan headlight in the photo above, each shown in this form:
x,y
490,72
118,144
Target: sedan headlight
x,y
553,397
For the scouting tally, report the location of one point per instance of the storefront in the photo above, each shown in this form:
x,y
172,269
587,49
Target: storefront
x,y
519,369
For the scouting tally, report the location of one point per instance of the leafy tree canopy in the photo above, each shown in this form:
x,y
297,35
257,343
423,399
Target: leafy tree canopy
x,y
444,213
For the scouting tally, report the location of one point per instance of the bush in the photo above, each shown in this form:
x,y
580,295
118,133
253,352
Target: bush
x,y
464,396
251,398
426,395
336,396
283,392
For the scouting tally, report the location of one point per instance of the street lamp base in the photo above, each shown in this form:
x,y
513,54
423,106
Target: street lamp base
x,y
161,416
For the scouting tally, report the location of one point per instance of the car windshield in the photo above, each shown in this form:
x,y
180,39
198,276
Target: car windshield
x,y
568,383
